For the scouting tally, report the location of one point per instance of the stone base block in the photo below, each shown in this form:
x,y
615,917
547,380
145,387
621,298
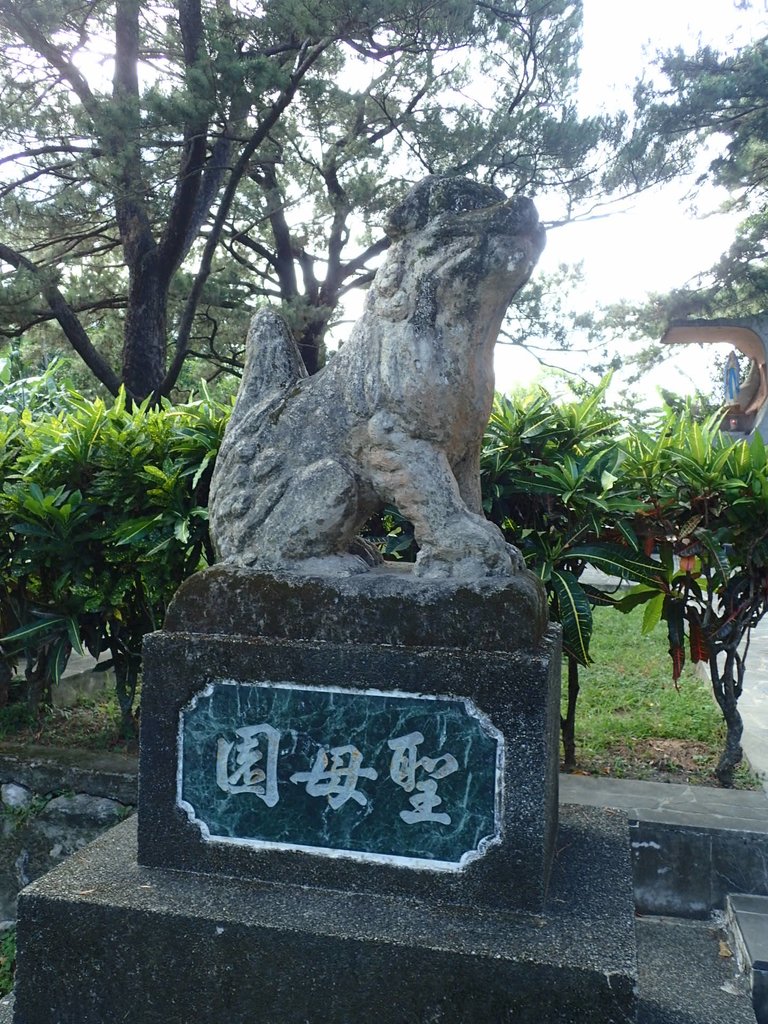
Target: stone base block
x,y
103,940
517,693
466,677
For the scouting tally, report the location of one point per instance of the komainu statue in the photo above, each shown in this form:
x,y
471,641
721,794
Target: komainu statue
x,y
397,416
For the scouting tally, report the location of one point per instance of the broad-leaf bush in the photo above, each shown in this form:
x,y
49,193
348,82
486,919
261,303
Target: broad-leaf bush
x,y
706,514
103,514
677,507
552,480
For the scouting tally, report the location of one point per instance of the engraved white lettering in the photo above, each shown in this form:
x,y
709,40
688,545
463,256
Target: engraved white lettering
x,y
332,778
251,773
403,770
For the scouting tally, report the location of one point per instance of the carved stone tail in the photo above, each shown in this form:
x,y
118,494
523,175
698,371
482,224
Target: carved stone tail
x,y
272,361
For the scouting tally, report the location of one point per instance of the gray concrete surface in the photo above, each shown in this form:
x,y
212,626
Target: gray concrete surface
x,y
691,846
747,919
102,939
692,806
754,704
683,978
81,678
687,974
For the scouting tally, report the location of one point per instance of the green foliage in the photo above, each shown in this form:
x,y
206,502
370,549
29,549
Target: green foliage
x,y
571,489
247,154
551,481
652,706
633,721
706,513
102,516
7,960
392,535
15,718
551,478
717,100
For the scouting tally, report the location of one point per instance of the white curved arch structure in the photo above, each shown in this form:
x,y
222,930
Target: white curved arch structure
x,y
746,413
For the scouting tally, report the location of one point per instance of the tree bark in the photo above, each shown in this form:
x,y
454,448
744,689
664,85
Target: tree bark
x,y
724,689
5,682
127,667
67,319
144,339
145,330
307,56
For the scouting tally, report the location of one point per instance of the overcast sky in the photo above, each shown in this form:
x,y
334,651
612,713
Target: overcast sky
x,y
655,242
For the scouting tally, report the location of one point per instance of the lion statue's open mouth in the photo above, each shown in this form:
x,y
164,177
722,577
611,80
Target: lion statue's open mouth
x,y
397,417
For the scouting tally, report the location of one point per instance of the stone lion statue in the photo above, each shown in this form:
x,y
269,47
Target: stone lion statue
x,y
397,416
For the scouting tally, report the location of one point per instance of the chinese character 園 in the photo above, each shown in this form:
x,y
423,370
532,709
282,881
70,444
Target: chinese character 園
x,y
248,776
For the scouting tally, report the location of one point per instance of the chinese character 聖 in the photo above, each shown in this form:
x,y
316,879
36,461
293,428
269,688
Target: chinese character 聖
x,y
336,780
248,776
402,770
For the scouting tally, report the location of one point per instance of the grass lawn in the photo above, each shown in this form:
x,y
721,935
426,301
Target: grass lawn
x,y
92,724
631,720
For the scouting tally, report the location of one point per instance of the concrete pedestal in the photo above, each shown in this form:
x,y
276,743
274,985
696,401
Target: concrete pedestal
x,y
487,646
347,812
103,940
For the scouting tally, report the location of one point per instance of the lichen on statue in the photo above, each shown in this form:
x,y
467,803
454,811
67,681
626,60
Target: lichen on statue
x,y
397,416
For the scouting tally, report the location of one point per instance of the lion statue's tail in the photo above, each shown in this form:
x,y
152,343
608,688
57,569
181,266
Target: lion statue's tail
x,y
273,365
272,362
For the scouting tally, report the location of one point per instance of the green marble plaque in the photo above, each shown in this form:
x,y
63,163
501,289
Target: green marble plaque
x,y
367,774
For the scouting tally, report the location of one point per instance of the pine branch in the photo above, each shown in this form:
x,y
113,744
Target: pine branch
x,y
68,320
308,55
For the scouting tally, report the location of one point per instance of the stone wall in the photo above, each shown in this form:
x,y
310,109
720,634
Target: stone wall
x,y
52,803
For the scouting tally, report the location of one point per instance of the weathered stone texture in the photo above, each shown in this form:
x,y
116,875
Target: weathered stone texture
x,y
49,809
389,605
104,939
397,416
487,642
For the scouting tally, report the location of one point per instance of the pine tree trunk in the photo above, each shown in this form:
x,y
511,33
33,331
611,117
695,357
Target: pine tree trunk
x,y
311,339
145,338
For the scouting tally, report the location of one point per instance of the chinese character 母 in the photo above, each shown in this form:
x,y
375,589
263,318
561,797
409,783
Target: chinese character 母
x,y
334,779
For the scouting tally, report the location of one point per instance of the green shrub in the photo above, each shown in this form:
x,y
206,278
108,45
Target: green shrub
x,y
706,513
552,480
103,514
7,960
570,488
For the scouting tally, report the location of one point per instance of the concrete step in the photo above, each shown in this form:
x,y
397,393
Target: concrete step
x,y
687,975
683,977
748,920
691,846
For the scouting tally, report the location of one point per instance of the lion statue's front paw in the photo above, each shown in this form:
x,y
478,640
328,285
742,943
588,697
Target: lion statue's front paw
x,y
469,548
